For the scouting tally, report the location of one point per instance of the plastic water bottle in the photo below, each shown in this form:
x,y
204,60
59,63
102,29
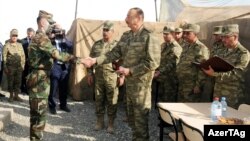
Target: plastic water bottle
x,y
224,106
216,109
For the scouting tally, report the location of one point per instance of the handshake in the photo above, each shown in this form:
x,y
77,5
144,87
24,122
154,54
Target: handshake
x,y
89,62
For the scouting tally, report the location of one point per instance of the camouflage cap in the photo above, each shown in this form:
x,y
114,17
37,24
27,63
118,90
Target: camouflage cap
x,y
217,30
191,27
230,29
178,29
168,29
108,25
46,15
13,32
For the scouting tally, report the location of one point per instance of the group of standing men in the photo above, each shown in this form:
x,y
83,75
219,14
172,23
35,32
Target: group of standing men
x,y
143,58
172,64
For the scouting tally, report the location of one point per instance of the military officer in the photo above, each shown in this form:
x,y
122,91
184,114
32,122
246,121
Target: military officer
x,y
191,78
178,35
166,72
140,51
13,64
41,53
106,90
231,84
207,95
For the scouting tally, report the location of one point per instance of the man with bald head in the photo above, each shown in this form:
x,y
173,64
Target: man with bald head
x,y
140,51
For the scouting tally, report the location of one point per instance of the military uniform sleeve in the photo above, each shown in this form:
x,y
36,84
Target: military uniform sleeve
x,y
203,55
5,52
63,56
240,66
111,56
91,54
152,58
173,60
23,59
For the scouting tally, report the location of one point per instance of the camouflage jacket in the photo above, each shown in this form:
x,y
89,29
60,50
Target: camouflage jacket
x,y
100,48
216,48
140,53
13,55
195,52
238,57
41,54
170,57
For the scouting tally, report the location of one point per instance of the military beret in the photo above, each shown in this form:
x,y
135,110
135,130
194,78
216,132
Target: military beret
x,y
13,32
168,29
191,27
108,25
46,15
217,30
178,29
230,29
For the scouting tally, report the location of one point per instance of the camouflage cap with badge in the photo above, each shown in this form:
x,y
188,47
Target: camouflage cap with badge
x,y
46,15
217,30
168,29
191,27
14,32
108,25
230,29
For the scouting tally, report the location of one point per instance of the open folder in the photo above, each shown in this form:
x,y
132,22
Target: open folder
x,y
217,63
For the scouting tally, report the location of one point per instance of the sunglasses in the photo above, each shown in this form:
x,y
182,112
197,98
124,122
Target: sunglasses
x,y
14,36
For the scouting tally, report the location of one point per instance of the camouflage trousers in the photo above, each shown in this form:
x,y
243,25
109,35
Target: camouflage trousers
x,y
38,108
106,94
233,91
167,92
185,92
14,79
138,107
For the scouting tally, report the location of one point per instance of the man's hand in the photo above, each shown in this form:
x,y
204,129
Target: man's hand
x,y
157,73
90,80
120,80
123,71
88,62
196,90
7,71
209,72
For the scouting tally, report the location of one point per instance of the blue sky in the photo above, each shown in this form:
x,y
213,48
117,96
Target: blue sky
x,y
214,3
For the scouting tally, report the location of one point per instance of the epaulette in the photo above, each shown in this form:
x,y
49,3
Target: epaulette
x,y
148,30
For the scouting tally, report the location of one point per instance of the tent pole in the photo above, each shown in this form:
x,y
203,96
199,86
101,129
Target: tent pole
x,y
156,15
76,8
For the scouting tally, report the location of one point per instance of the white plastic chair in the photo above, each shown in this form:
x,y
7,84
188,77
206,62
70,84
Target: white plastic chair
x,y
244,108
191,133
169,121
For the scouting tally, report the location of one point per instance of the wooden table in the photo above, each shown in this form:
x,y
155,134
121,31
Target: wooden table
x,y
197,114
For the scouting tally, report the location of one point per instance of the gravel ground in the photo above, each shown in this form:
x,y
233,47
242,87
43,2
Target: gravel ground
x,y
77,125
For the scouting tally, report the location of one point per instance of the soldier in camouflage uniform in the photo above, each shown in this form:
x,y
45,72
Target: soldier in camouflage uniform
x,y
41,53
231,84
191,78
217,45
140,51
106,90
207,95
178,35
166,72
13,64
